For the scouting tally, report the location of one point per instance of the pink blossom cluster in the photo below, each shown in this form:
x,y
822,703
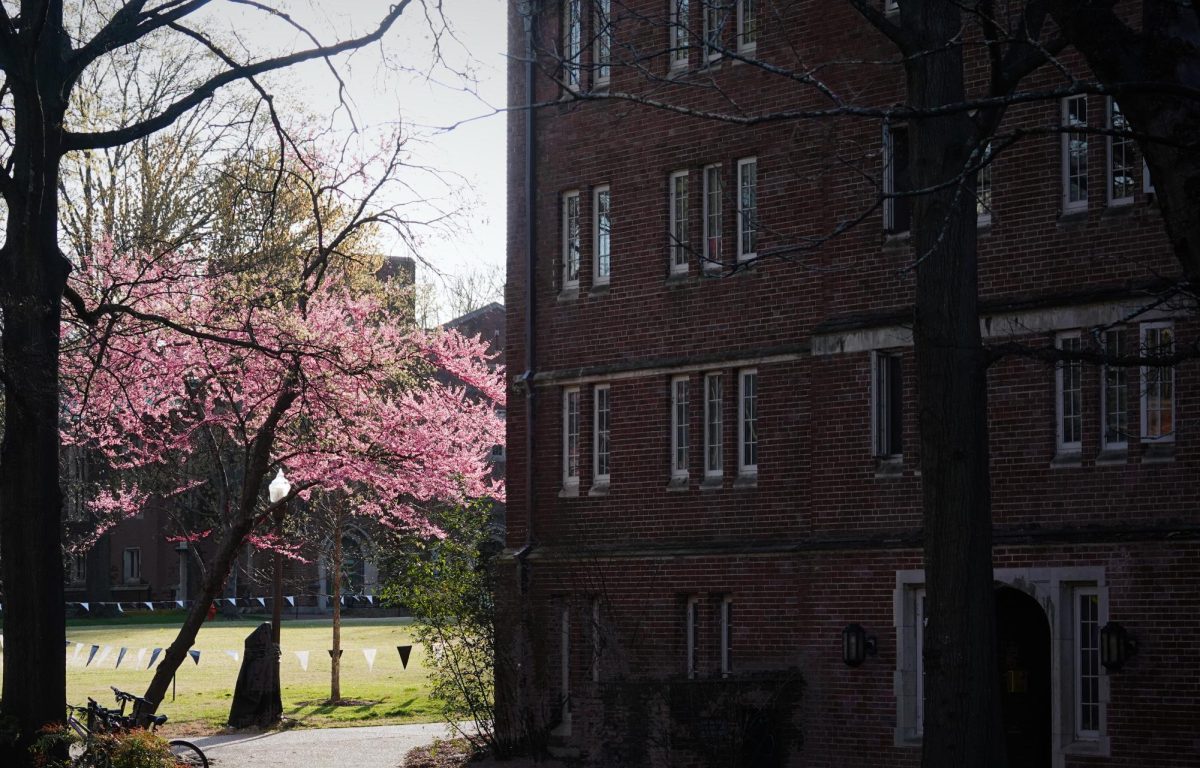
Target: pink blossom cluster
x,y
352,400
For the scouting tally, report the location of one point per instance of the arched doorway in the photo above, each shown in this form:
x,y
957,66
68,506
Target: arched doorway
x,y
1023,653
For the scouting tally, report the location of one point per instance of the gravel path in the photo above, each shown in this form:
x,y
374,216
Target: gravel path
x,y
381,746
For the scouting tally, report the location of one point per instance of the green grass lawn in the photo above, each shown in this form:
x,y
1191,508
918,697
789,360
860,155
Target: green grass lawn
x,y
203,692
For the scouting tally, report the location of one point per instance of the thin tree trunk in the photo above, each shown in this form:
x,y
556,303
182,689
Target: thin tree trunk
x,y
962,713
335,668
33,275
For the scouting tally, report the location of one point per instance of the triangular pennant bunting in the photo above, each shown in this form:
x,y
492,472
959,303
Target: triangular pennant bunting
x,y
120,656
302,657
195,656
232,654
291,600
91,655
232,601
103,654
120,609
78,650
371,599
153,657
262,601
370,654
86,607
141,655
339,653
179,603
149,605
404,650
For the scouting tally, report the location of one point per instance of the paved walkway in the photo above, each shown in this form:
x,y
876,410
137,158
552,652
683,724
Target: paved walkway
x,y
381,746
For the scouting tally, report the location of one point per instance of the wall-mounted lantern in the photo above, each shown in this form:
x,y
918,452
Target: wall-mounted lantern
x,y
1116,646
857,645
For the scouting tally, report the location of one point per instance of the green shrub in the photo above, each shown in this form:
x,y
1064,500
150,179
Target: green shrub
x,y
129,749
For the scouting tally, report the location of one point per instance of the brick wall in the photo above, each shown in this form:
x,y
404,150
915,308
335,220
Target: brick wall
x,y
817,540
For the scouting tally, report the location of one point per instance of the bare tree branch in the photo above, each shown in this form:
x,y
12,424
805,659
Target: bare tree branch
x,y
205,91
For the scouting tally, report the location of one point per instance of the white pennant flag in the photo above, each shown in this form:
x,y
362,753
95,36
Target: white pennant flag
x,y
179,603
302,656
262,601
85,607
232,654
371,599
141,655
232,601
149,605
120,609
103,654
291,600
78,650
370,654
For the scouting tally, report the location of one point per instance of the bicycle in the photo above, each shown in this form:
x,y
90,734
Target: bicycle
x,y
99,720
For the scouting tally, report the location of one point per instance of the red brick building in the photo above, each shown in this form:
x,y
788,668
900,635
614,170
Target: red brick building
x,y
712,428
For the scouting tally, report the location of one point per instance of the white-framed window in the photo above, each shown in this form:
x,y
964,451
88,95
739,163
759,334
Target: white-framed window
x,y
78,571
692,629
726,636
897,208
1158,383
713,456
716,12
678,192
679,38
571,437
747,210
748,422
1114,396
1087,663
132,565
1122,163
983,187
597,640
570,239
602,229
679,427
602,19
1068,399
1074,154
747,25
887,405
572,42
713,246
601,432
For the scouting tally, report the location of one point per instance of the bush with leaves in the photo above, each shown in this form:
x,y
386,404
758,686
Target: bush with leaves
x,y
127,749
448,584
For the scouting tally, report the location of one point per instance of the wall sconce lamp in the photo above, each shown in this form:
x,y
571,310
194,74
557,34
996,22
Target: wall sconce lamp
x,y
857,645
1116,646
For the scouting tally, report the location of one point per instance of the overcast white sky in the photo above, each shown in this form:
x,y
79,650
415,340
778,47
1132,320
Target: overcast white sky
x,y
382,94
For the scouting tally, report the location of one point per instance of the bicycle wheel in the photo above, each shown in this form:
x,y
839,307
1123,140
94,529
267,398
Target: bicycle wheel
x,y
187,754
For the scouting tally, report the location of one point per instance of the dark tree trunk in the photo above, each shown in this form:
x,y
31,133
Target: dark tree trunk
x,y
1162,55
33,276
962,715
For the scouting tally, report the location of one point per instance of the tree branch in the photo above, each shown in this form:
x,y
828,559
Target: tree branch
x,y
97,140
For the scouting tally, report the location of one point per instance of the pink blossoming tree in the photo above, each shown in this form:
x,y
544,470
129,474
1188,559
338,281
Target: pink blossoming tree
x,y
323,381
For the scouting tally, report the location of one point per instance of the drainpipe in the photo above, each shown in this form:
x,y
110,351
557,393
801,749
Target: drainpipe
x,y
529,15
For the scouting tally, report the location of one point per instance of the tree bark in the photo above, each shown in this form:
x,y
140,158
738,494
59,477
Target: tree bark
x,y
33,274
962,712
335,666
